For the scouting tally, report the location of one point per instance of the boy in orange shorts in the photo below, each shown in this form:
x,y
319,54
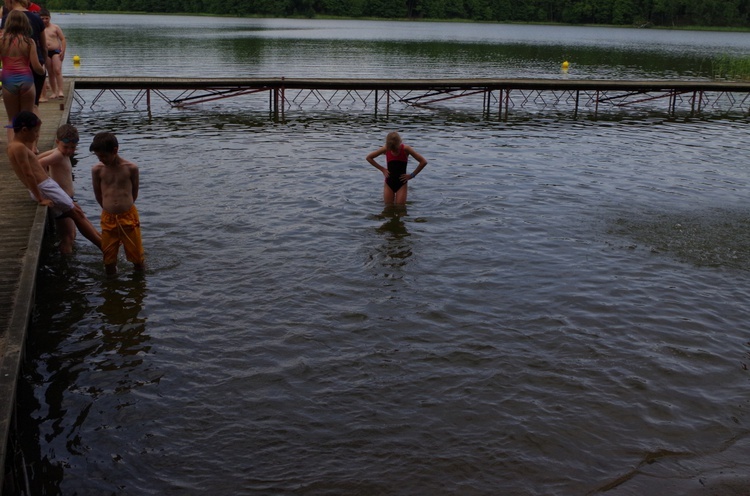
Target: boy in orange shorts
x,y
116,189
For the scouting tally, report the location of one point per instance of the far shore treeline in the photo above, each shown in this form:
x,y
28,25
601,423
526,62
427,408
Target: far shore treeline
x,y
640,13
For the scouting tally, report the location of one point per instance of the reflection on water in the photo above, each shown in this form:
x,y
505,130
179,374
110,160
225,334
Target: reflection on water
x,y
124,340
99,329
393,253
394,227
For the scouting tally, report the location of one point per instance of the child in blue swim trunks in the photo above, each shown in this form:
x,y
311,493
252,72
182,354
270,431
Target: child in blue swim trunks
x,y
396,156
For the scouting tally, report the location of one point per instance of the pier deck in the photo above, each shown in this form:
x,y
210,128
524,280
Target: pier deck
x,y
22,224
497,96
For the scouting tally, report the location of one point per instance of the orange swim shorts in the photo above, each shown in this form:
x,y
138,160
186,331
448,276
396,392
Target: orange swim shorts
x,y
122,229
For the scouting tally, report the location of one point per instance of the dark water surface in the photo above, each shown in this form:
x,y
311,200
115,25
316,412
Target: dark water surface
x,y
561,302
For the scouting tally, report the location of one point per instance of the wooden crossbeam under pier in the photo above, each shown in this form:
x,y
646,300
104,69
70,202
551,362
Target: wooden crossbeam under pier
x,y
500,94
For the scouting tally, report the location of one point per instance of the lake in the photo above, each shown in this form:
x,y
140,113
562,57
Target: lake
x,y
560,308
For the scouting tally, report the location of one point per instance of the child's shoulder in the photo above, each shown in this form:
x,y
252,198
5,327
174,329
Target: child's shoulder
x,y
53,157
128,163
16,146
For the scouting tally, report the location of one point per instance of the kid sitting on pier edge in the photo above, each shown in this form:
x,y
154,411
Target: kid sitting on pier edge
x,y
58,165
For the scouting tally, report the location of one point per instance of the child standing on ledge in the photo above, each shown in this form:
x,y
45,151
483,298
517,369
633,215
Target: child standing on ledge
x,y
396,178
116,183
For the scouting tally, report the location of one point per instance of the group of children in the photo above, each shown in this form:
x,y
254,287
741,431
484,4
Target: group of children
x,y
49,179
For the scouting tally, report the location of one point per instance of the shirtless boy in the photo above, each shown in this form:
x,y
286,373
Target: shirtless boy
x,y
59,167
116,183
56,46
43,188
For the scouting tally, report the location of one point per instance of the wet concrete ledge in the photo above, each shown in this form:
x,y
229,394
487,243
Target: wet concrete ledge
x,y
22,226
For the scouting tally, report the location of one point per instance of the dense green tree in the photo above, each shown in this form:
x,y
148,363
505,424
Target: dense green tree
x,y
434,9
623,12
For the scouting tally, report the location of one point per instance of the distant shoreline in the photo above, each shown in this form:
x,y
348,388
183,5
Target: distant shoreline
x,y
462,21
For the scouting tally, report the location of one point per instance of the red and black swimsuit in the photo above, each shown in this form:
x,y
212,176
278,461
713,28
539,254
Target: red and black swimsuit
x,y
396,168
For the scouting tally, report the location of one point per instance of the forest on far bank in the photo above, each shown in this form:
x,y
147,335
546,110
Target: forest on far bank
x,y
642,13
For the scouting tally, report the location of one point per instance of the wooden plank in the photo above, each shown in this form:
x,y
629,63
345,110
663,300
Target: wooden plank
x,y
140,83
22,224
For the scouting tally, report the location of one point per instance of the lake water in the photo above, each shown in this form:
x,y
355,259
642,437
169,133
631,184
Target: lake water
x,y
559,309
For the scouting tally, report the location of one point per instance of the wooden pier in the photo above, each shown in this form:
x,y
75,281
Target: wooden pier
x,y
22,224
497,98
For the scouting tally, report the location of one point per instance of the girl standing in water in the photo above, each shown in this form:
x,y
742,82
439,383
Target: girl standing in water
x,y
396,178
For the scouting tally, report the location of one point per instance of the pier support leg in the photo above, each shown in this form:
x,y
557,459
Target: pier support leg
x,y
507,102
672,103
275,103
596,105
500,103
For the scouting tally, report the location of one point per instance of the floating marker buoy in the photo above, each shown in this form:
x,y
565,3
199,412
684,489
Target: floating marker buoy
x,y
565,65
76,59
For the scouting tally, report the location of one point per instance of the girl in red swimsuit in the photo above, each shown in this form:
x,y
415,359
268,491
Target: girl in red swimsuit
x,y
396,178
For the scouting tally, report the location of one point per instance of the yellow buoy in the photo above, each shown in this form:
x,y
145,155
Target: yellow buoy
x,y
76,59
565,65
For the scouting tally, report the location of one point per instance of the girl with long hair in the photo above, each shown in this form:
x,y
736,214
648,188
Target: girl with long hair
x,y
19,57
396,156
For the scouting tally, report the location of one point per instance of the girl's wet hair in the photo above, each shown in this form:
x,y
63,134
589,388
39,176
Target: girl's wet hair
x,y
393,141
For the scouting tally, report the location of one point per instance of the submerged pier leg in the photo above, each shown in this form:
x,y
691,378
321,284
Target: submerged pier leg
x,y
500,104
